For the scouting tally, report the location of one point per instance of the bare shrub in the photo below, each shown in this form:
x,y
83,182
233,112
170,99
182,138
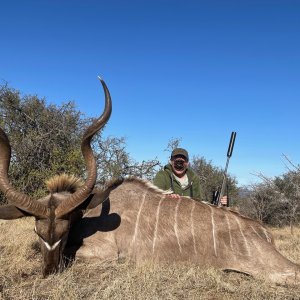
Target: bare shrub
x,y
114,161
274,201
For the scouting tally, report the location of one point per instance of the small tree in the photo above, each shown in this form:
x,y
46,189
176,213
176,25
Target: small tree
x,y
264,203
172,144
211,178
289,187
45,139
114,161
276,201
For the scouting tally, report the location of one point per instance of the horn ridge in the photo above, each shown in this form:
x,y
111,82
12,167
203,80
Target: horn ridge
x,y
20,200
84,191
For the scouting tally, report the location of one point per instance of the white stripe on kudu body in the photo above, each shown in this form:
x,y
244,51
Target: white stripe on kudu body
x,y
229,231
138,220
192,227
242,234
176,224
267,235
213,229
256,232
156,222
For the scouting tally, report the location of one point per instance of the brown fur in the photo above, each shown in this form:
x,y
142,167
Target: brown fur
x,y
63,182
138,222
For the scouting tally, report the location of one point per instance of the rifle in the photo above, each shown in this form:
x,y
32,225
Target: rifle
x,y
217,195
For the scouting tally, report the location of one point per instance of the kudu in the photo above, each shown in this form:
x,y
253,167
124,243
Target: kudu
x,y
140,223
55,213
131,219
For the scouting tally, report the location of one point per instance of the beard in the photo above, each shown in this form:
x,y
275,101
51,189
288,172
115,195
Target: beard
x,y
179,165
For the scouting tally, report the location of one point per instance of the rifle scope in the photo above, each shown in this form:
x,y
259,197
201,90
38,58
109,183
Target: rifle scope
x,y
231,144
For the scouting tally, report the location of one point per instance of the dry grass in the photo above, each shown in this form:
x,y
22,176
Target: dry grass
x,y
20,275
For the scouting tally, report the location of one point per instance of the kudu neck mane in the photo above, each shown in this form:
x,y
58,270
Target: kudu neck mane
x,y
113,184
70,183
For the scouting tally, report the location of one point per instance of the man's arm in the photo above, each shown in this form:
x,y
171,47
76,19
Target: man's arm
x,y
160,180
197,190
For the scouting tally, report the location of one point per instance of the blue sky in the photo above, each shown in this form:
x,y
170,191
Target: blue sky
x,y
195,70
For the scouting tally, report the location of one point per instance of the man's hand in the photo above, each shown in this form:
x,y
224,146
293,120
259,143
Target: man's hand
x,y
224,200
173,196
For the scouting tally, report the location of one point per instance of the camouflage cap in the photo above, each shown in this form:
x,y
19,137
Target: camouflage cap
x,y
180,151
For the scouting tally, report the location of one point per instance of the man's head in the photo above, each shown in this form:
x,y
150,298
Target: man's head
x,y
179,161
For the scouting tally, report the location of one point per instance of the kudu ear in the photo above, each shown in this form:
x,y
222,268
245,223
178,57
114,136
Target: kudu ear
x,y
10,212
99,197
96,199
93,200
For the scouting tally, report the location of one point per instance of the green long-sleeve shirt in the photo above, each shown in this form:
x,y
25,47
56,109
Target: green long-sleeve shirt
x,y
165,180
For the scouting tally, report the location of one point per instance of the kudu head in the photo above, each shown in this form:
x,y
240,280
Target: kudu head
x,y
54,213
